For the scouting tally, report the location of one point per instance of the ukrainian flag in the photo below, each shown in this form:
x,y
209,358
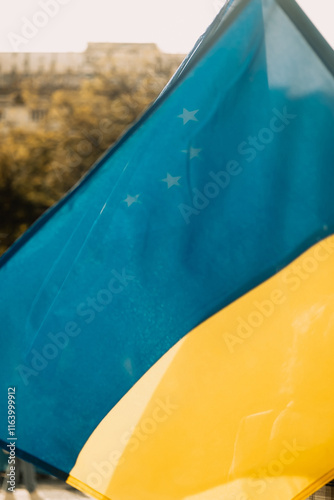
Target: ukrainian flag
x,y
168,327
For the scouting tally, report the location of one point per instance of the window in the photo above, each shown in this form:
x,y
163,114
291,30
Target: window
x,y
325,493
38,114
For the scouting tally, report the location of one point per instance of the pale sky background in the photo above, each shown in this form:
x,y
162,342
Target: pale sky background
x,y
174,25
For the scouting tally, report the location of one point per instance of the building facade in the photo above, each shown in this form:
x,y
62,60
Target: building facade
x,y
63,71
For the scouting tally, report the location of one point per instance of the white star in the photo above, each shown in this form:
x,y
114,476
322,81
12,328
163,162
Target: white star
x,y
193,152
131,199
171,181
188,116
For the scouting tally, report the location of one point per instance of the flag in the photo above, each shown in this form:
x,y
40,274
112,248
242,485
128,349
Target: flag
x,y
168,327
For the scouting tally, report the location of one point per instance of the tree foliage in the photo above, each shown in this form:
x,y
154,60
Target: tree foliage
x,y
39,167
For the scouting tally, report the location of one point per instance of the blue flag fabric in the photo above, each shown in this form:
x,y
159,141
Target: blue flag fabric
x,y
226,180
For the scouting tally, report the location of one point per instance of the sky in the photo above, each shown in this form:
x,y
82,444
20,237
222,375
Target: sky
x,y
68,25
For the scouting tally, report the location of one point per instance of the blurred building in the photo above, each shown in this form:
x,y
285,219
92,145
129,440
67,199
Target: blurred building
x,y
325,493
52,71
98,57
16,113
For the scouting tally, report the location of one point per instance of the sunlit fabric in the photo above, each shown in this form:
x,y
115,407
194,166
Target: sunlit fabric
x,y
168,326
239,408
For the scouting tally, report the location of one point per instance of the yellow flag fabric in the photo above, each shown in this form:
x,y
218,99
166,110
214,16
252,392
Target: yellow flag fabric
x,y
162,338
240,409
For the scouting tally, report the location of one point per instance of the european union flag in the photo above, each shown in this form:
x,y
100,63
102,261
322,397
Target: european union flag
x,y
168,327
